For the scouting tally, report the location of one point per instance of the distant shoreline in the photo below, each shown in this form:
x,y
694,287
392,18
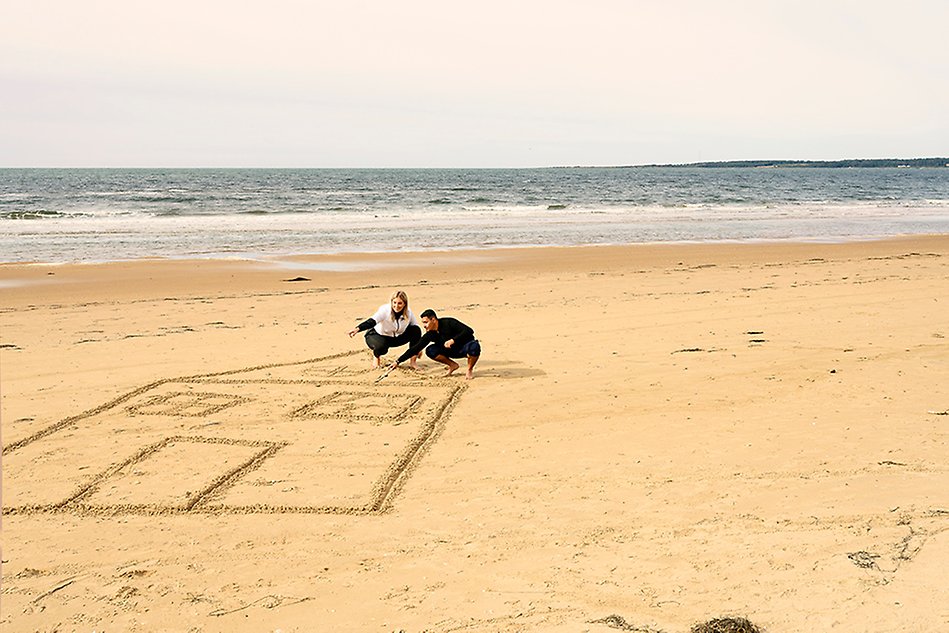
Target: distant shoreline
x,y
938,162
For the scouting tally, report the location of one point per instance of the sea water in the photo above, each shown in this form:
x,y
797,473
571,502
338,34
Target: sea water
x,y
84,215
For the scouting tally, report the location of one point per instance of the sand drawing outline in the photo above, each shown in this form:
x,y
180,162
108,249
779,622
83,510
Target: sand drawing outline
x,y
57,426
191,399
340,406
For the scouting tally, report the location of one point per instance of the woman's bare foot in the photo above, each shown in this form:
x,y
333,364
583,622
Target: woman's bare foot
x,y
452,366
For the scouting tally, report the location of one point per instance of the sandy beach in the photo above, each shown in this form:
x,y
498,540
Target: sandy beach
x,y
656,436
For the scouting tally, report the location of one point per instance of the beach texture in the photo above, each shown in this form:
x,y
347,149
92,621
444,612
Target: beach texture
x,y
656,436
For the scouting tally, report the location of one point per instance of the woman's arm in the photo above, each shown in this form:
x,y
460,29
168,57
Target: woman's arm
x,y
365,325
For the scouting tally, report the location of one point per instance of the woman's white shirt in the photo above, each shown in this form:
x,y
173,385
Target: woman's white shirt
x,y
387,326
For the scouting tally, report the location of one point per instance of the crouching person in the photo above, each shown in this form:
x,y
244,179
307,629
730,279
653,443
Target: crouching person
x,y
393,325
445,338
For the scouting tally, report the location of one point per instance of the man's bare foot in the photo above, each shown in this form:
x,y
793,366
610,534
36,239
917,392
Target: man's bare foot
x,y
376,362
469,375
452,366
413,363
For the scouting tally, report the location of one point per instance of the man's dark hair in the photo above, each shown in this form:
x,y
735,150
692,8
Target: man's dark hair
x,y
428,314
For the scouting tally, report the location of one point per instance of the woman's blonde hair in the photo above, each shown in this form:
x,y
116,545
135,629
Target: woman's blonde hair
x,y
405,299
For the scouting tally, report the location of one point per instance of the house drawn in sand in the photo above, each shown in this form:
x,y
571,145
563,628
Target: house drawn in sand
x,y
317,436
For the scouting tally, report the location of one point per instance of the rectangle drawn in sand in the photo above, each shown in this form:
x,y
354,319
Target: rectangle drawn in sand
x,y
172,477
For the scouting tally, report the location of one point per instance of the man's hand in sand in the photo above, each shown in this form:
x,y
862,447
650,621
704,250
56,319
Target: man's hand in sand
x,y
413,364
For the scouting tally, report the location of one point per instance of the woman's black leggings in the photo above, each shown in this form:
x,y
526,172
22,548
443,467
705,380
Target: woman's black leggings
x,y
380,344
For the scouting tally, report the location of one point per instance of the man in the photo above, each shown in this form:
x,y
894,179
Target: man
x,y
449,338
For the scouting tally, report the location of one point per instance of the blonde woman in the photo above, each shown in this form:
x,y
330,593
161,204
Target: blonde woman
x,y
392,325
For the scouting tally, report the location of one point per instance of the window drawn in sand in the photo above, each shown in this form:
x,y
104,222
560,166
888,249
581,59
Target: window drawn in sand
x,y
312,437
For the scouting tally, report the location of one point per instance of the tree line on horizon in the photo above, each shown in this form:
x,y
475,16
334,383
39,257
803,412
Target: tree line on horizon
x,y
853,162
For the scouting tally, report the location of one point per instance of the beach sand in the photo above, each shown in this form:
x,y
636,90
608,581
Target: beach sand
x,y
656,436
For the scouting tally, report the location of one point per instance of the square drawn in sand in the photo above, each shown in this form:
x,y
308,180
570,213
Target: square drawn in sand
x,y
194,404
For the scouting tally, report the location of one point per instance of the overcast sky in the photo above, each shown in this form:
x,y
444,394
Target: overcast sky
x,y
349,83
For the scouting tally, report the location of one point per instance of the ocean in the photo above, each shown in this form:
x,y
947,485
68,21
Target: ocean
x,y
91,215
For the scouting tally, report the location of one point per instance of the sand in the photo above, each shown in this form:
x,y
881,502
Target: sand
x,y
655,436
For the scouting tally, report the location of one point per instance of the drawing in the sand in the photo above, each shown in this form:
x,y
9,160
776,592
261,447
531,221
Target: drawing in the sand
x,y
316,436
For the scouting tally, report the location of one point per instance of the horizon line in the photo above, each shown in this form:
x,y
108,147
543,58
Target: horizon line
x,y
779,161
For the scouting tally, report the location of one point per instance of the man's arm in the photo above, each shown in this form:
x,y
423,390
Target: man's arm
x,y
456,332
415,349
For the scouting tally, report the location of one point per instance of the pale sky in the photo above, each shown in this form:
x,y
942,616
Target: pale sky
x,y
350,83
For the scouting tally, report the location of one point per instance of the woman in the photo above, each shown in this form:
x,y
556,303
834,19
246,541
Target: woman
x,y
391,326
